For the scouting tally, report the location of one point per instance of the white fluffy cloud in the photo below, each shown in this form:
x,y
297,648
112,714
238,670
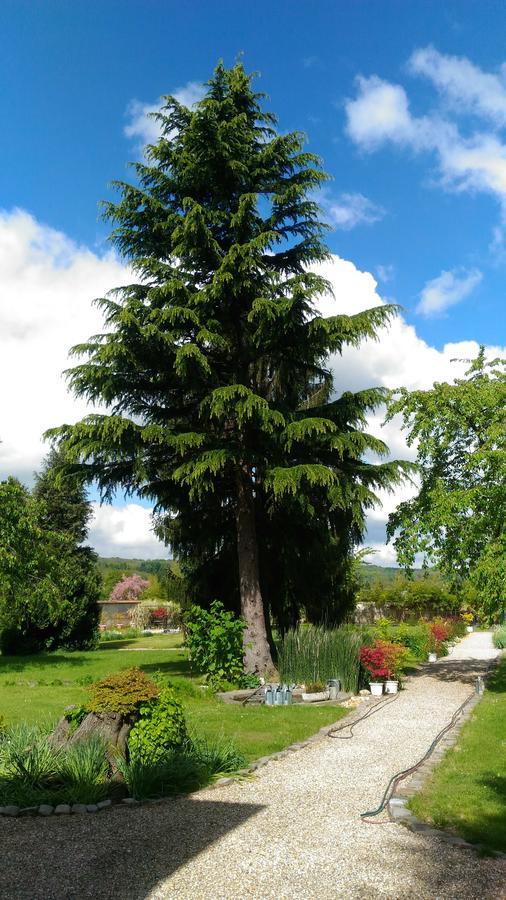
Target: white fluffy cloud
x,y
350,210
462,84
398,358
146,130
125,531
46,285
380,113
448,289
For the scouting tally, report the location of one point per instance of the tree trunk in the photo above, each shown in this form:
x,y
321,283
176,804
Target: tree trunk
x,y
257,653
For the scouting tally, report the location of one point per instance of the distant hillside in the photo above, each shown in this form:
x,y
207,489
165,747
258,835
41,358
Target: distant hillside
x,y
106,563
368,571
386,574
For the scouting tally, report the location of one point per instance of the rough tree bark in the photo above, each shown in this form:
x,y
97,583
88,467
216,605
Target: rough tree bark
x,y
257,653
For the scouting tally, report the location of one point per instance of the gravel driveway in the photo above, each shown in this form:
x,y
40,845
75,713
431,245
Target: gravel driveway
x,y
292,831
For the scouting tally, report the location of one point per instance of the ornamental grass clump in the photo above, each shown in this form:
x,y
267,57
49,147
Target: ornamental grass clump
x,y
313,653
33,770
500,637
180,770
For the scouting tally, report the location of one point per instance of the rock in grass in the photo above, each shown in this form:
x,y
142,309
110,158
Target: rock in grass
x,y
45,809
103,804
63,809
9,810
130,801
91,807
79,807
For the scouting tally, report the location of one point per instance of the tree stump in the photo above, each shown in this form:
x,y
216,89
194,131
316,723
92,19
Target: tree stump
x,y
112,728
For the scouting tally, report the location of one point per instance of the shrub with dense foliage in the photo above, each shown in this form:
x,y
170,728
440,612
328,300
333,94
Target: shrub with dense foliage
x,y
124,692
214,638
161,728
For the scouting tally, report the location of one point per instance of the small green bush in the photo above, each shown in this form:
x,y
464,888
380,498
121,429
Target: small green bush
x,y
161,728
123,692
214,639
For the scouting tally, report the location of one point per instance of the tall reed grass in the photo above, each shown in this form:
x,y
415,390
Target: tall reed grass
x,y
314,653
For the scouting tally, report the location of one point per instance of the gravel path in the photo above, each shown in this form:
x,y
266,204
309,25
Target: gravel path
x,y
292,831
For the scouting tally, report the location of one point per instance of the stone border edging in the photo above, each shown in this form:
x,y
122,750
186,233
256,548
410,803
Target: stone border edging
x,y
397,807
66,809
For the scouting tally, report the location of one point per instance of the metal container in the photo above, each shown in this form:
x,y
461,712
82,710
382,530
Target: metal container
x,y
279,696
334,686
269,696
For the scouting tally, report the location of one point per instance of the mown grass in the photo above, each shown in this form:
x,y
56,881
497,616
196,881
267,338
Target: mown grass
x,y
467,792
36,689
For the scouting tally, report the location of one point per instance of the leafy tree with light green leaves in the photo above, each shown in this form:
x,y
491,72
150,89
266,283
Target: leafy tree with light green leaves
x,y
213,364
458,518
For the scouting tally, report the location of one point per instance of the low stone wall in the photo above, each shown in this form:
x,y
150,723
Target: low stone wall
x,y
112,614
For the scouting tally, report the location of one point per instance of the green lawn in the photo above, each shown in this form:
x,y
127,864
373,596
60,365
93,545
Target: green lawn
x,y
467,792
37,688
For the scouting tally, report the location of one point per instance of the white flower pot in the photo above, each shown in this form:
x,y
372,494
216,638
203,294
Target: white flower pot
x,y
317,697
391,687
432,657
469,628
376,688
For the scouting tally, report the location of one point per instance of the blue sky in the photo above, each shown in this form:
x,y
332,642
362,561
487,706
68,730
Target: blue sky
x,y
405,102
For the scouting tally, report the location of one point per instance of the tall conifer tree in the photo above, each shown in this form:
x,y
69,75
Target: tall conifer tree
x,y
213,365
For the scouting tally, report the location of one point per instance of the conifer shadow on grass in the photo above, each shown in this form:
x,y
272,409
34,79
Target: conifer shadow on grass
x,y
467,791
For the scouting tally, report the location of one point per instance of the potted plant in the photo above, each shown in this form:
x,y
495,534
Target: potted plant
x,y
384,662
315,691
468,619
439,632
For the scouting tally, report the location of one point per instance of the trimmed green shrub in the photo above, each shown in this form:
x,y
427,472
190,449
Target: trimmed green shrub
x,y
123,692
161,728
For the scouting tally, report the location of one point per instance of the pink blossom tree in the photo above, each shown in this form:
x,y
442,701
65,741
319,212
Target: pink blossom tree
x,y
129,588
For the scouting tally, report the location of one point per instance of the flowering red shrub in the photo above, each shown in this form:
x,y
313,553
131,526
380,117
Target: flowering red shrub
x,y
159,614
383,659
440,631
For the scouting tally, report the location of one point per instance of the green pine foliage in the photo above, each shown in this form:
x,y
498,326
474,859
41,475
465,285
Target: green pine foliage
x,y
49,585
214,361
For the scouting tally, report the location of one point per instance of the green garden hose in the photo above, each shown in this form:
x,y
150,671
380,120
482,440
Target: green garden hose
x,y
399,776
